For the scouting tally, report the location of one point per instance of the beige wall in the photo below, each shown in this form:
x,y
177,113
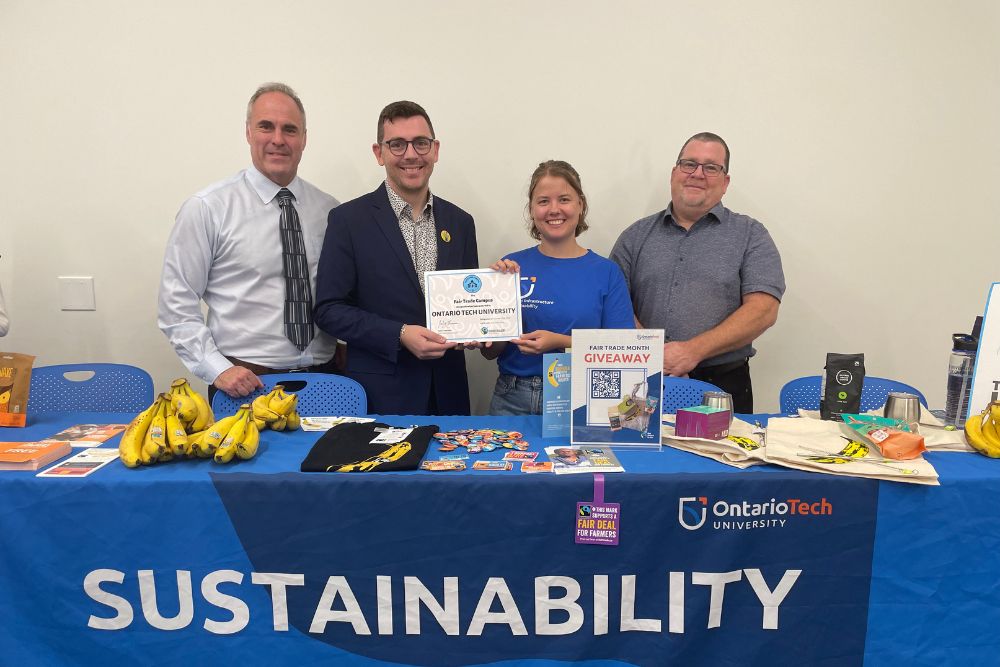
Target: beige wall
x,y
864,135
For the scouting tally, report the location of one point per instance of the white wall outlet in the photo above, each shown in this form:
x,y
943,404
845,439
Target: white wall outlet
x,y
76,293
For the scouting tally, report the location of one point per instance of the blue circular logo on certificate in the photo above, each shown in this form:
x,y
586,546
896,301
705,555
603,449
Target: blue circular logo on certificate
x,y
472,284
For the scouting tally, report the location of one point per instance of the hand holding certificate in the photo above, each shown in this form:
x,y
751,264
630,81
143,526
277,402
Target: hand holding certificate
x,y
473,305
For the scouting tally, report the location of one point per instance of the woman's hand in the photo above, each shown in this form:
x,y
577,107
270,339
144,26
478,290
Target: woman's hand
x,y
505,266
541,341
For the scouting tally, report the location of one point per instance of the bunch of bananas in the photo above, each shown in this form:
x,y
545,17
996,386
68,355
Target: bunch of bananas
x,y
167,428
982,431
193,411
180,423
236,436
276,410
164,429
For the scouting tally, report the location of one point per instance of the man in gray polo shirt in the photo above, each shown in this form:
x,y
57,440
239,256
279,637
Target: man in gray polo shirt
x,y
710,277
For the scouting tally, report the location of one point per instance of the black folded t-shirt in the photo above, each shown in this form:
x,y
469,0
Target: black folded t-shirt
x,y
349,448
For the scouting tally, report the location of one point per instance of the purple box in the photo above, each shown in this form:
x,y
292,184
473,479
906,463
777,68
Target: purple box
x,y
701,421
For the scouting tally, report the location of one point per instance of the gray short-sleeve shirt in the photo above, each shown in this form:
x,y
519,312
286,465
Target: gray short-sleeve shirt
x,y
688,281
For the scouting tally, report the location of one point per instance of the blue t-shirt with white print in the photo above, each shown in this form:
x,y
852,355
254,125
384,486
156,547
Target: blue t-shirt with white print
x,y
560,295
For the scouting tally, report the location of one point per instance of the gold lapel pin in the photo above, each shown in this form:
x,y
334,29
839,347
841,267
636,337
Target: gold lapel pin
x,y
445,236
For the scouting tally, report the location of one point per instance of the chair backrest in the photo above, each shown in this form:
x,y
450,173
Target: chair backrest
x,y
683,393
803,393
319,395
109,388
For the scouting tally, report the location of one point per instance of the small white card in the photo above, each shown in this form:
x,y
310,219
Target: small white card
x,y
473,304
82,463
391,436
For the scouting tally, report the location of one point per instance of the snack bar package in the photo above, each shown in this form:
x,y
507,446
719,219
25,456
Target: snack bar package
x,y
840,389
15,383
893,437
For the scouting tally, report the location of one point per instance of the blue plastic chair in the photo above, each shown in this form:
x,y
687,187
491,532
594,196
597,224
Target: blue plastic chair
x,y
319,395
108,388
804,392
683,393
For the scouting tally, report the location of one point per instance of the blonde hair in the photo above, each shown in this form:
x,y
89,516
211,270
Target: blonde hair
x,y
565,171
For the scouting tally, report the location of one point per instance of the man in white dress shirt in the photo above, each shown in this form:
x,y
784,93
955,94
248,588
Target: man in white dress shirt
x,y
226,249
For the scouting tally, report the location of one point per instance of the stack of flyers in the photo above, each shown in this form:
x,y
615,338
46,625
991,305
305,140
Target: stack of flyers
x,y
583,459
326,423
87,435
82,463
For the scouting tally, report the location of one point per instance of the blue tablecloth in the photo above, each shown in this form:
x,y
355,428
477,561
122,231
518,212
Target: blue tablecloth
x,y
255,563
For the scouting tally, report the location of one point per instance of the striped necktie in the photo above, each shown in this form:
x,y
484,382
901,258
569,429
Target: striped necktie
x,y
298,293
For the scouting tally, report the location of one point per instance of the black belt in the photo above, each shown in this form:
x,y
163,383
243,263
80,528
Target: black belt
x,y
724,368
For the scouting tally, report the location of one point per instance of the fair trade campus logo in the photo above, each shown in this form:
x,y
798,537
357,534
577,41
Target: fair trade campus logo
x,y
693,512
472,284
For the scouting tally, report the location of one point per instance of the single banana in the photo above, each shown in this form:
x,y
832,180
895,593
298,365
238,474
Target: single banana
x,y
280,423
236,432
251,440
225,454
974,436
227,449
130,447
155,442
205,417
293,407
293,420
176,435
158,428
184,406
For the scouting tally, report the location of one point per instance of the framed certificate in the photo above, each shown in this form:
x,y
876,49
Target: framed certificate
x,y
473,304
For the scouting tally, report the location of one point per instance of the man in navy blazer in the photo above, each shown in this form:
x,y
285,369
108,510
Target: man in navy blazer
x,y
369,285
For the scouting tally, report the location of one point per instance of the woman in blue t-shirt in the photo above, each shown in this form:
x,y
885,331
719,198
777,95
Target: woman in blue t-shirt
x,y
564,286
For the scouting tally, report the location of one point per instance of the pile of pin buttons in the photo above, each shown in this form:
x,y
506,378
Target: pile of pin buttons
x,y
481,440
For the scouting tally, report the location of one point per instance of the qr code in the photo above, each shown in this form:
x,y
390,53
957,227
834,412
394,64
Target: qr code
x,y
605,384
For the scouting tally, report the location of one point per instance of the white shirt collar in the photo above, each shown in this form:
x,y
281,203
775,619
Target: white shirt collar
x,y
267,189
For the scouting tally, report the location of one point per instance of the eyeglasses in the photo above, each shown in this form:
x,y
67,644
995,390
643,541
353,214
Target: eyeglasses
x,y
710,169
422,145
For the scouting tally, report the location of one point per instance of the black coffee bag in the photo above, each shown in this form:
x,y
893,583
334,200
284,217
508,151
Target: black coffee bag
x,y
840,390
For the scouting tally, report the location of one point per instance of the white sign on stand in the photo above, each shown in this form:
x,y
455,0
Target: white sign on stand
x,y
986,376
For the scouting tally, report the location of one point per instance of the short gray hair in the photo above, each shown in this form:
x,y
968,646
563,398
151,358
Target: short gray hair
x,y
275,87
710,137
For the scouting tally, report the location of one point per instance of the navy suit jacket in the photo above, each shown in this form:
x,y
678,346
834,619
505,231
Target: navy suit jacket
x,y
367,288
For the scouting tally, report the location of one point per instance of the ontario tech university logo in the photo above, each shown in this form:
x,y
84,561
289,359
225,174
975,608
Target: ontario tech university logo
x,y
692,512
690,517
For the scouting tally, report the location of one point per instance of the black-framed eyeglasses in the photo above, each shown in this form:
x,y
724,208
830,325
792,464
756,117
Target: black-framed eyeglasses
x,y
422,145
710,169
